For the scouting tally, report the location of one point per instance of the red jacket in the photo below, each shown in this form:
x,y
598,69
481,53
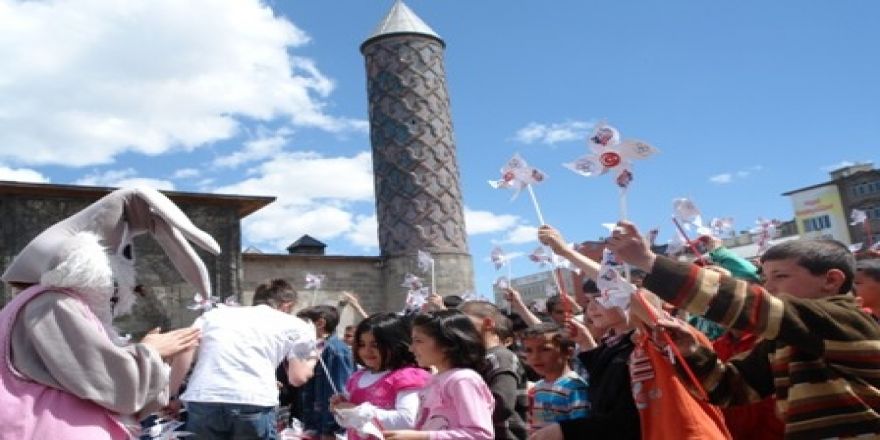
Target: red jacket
x,y
756,421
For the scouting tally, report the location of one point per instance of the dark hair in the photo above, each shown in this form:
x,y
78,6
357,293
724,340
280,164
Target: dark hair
x,y
552,302
452,301
328,313
817,256
455,333
485,309
392,334
558,336
869,267
274,292
590,287
517,323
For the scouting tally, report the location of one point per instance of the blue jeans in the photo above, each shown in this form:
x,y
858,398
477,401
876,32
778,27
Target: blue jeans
x,y
230,421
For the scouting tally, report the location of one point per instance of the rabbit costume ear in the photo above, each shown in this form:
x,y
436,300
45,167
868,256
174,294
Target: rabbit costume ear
x,y
116,219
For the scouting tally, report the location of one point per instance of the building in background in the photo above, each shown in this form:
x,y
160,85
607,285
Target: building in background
x,y
823,210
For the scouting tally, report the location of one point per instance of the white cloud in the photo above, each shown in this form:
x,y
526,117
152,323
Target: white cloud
x,y
83,81
300,177
186,173
554,132
364,232
316,195
123,178
721,178
521,234
729,177
482,222
263,147
22,175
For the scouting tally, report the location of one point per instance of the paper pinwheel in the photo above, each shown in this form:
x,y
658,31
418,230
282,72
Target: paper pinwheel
x,y
517,174
609,153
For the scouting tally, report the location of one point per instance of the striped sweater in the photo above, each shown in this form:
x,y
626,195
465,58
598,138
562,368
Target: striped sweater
x,y
820,357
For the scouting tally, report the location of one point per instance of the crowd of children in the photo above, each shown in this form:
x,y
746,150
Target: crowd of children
x,y
719,350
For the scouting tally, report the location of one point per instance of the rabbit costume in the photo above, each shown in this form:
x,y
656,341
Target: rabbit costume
x,y
64,371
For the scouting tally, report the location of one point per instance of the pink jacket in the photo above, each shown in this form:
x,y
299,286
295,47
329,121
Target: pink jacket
x,y
456,405
29,410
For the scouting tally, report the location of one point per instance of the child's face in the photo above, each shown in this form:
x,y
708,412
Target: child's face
x,y
368,351
545,356
426,350
603,318
558,313
868,289
348,336
787,276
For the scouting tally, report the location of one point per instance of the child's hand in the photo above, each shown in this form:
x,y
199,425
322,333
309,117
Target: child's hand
x,y
681,336
581,335
628,244
338,399
406,435
549,432
512,296
550,236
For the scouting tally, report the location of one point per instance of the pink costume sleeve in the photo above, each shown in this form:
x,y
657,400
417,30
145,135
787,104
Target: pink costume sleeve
x,y
473,406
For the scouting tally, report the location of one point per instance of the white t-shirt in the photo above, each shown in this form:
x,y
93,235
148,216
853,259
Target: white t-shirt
x,y
240,349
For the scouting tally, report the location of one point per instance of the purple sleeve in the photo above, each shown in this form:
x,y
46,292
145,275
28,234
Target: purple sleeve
x,y
473,409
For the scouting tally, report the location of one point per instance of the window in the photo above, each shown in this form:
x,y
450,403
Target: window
x,y
817,223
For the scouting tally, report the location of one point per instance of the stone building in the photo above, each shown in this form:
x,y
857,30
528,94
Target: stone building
x,y
26,209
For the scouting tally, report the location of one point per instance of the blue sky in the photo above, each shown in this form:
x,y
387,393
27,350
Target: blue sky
x,y
745,100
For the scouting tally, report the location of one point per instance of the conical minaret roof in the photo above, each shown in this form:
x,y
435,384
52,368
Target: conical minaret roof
x,y
401,20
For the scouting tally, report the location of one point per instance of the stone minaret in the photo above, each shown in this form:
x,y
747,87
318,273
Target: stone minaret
x,y
418,197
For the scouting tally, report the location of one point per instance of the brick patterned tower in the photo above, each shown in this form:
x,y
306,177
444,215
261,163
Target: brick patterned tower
x,y
418,197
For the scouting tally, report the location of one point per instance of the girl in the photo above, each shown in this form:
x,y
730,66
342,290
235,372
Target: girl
x,y
387,389
456,404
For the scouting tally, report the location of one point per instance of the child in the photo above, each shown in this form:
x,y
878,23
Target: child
x,y
316,393
818,350
645,400
867,285
560,394
456,404
504,373
388,387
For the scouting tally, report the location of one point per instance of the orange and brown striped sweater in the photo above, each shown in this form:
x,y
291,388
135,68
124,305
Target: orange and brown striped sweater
x,y
820,357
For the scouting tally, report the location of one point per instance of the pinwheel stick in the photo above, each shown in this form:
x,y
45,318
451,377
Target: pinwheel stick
x,y
686,239
327,373
433,279
537,207
549,251
623,214
314,296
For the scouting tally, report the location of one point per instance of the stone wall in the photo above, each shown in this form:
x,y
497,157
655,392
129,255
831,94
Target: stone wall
x,y
359,275
23,217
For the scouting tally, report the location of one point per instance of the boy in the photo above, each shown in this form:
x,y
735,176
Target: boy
x,y
867,285
504,373
818,353
560,394
337,356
